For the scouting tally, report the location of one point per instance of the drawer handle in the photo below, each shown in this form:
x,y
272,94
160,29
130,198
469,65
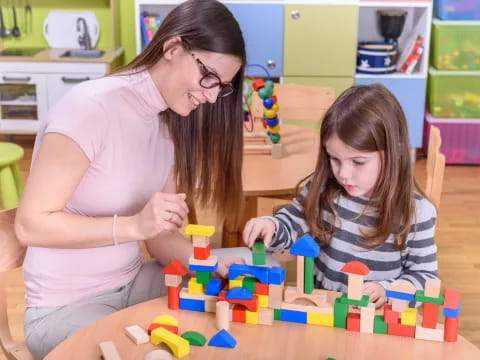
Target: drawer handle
x,y
68,80
295,14
271,64
17,79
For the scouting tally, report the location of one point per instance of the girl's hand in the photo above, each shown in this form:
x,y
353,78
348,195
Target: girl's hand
x,y
163,213
224,264
258,228
376,293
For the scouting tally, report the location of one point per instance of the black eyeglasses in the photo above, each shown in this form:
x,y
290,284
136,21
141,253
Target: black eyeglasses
x,y
210,80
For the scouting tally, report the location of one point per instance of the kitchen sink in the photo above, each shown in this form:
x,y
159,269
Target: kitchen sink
x,y
80,53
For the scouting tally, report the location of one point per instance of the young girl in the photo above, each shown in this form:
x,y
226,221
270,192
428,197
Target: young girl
x,y
362,202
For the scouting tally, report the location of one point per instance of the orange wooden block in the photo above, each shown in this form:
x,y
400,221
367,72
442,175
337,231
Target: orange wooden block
x,y
353,322
390,316
174,297
400,329
451,329
238,313
201,253
430,313
261,288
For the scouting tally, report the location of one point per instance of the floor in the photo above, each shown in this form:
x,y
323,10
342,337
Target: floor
x,y
457,237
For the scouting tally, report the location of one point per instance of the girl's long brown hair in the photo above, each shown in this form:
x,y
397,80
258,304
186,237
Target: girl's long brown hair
x,y
367,118
209,142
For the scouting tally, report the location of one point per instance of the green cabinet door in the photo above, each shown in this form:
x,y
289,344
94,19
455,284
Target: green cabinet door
x,y
320,40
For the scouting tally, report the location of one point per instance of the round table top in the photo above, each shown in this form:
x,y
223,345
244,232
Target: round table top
x,y
263,175
282,340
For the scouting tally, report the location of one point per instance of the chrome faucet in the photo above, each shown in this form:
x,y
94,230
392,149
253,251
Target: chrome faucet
x,y
84,39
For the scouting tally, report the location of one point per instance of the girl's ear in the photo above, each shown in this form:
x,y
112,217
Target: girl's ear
x,y
171,47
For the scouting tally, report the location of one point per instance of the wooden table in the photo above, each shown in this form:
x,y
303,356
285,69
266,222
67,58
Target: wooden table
x,y
283,340
264,176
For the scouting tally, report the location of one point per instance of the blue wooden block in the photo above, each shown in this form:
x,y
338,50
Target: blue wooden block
x,y
259,272
293,316
399,295
192,304
240,293
193,267
213,287
276,275
305,246
451,312
223,338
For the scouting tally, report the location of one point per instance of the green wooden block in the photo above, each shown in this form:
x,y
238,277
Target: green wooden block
x,y
276,314
308,275
259,256
340,311
249,283
379,326
194,338
419,296
203,277
362,302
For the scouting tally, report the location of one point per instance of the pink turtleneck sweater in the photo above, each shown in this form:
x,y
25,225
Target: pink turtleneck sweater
x,y
114,120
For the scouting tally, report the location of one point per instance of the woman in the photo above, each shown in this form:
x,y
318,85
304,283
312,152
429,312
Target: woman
x,y
108,162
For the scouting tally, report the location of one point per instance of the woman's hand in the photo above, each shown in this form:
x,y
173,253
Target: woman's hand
x,y
258,228
163,213
376,292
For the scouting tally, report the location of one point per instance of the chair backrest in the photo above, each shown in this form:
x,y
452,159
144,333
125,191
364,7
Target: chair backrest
x,y
435,166
12,254
299,104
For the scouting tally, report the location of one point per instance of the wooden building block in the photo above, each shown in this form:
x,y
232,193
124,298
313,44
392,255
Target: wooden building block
x,y
222,315
324,309
251,304
367,316
265,316
379,326
399,305
340,314
158,354
308,275
300,274
211,305
409,316
275,295
451,329
137,334
251,317
237,282
261,288
400,330
201,230
173,280
173,296
353,322
262,301
318,297
430,315
203,277
210,261
179,346
389,316
109,351
317,318
432,288
355,286
201,253
195,287
259,256
238,313
249,283
200,241
436,334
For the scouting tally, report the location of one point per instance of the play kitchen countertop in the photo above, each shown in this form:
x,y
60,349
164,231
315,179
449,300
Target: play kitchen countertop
x,y
55,55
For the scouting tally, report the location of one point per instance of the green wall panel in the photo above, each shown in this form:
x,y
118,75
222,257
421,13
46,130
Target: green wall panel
x,y
338,83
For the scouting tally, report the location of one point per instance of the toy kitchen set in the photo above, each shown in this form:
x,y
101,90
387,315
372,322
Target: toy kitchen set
x,y
44,52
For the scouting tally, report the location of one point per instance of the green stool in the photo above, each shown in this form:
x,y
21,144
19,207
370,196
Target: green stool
x,y
11,183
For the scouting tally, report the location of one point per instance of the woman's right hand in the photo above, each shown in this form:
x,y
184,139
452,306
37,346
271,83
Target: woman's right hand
x,y
163,213
258,228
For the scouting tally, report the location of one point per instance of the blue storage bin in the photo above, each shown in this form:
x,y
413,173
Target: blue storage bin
x,y
457,9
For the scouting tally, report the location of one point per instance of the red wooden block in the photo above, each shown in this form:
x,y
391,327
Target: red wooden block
x,y
261,288
430,312
401,330
451,329
174,296
451,299
153,326
353,321
238,313
355,267
201,253
175,267
251,304
390,316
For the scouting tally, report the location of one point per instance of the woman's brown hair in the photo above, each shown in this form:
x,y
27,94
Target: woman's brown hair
x,y
208,142
366,118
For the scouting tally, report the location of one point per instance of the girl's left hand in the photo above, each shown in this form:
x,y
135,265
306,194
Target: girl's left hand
x,y
376,293
224,264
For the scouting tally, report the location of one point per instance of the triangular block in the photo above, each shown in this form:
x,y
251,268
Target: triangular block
x,y
223,338
305,246
175,267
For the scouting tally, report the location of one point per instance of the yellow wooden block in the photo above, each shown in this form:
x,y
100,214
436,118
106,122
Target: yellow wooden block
x,y
165,319
319,319
409,316
194,287
237,282
251,317
202,230
179,346
262,301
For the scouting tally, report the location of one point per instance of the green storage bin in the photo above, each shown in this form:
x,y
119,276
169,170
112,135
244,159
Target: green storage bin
x,y
456,45
454,93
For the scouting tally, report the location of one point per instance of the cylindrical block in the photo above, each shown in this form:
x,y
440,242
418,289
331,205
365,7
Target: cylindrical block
x,y
222,315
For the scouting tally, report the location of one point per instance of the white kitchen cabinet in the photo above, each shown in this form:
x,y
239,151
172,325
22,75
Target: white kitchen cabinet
x,y
59,84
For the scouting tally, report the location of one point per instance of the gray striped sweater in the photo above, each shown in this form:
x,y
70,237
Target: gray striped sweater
x,y
415,263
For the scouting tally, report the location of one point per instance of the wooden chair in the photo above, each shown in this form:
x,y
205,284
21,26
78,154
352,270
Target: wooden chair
x,y
12,254
435,167
298,104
